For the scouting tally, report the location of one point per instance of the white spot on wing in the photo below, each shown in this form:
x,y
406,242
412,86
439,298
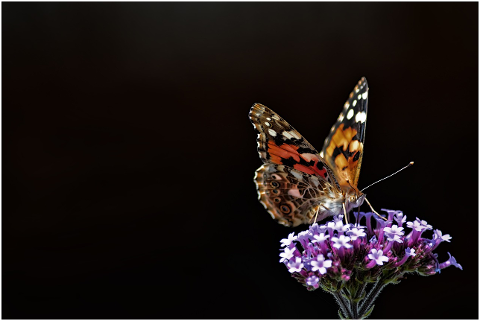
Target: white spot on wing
x,y
308,157
295,134
359,96
321,154
354,103
272,132
270,168
365,95
291,134
314,180
268,118
350,113
287,135
267,123
340,117
361,117
296,174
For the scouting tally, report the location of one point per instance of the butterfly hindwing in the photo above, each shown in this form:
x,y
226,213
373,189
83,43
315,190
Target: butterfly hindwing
x,y
290,196
279,143
343,148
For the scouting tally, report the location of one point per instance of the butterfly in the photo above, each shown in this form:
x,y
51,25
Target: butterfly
x,y
299,185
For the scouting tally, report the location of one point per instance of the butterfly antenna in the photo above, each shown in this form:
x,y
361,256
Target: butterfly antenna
x,y
410,164
383,218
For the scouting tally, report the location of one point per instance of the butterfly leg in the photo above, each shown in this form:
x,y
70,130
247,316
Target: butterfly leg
x,y
345,213
374,210
316,214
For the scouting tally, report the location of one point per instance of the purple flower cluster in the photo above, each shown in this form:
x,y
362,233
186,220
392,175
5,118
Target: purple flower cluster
x,y
330,254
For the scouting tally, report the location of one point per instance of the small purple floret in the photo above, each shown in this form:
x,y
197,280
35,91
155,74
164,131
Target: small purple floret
x,y
295,266
356,232
394,233
410,252
377,256
320,238
424,224
437,234
450,261
415,225
312,280
287,254
320,264
291,238
341,241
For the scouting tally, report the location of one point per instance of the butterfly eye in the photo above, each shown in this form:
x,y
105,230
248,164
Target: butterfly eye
x,y
285,209
275,184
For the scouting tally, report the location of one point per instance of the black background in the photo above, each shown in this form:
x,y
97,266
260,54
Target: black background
x,y
128,156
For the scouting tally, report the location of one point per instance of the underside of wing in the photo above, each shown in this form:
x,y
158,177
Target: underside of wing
x,y
279,143
343,148
292,197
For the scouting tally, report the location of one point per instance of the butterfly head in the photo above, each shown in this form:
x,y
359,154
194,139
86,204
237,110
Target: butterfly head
x,y
356,200
353,198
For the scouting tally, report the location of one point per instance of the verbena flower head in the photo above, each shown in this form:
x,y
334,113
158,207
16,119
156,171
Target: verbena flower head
x,y
327,255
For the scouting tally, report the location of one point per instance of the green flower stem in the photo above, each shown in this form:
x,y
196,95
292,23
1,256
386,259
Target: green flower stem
x,y
354,307
372,295
361,292
343,305
354,294
354,304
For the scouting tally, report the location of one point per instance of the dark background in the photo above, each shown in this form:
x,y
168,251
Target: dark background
x,y
128,156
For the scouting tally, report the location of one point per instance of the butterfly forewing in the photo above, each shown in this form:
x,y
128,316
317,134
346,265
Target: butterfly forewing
x,y
343,148
279,143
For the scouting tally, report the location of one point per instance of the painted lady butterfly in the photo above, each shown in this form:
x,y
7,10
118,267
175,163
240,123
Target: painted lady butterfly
x,y
296,183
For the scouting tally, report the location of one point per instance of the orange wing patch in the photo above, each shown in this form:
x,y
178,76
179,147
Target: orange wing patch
x,y
287,151
284,151
341,138
346,164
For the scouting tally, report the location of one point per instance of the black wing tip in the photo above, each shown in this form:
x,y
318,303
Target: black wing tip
x,y
255,110
362,83
257,106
